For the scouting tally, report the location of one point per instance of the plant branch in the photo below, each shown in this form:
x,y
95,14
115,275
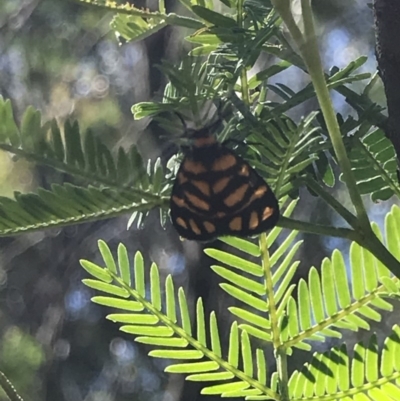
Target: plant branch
x,y
371,242
282,370
78,172
331,201
318,229
280,352
83,218
387,15
269,289
9,389
243,73
308,48
310,53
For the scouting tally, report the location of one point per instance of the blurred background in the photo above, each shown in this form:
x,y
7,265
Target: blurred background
x,y
62,58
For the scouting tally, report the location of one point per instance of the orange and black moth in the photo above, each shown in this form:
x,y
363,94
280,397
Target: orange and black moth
x,y
217,193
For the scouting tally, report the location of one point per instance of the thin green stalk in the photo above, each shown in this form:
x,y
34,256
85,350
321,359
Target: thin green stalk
x,y
371,242
366,239
282,370
244,84
308,48
318,229
331,201
261,99
280,353
284,10
9,389
240,13
312,59
78,172
269,289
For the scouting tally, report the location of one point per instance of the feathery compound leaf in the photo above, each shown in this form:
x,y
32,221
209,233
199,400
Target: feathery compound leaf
x,y
337,375
61,149
83,156
252,290
327,300
285,151
170,332
374,165
68,204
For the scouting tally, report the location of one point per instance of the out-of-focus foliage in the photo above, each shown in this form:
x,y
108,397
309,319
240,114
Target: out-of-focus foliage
x,y
22,356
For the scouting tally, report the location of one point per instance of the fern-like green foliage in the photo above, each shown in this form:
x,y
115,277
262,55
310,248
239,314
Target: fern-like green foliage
x,y
375,165
334,297
267,309
286,152
124,182
108,184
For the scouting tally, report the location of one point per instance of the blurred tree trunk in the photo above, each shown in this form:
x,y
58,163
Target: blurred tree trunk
x,y
387,28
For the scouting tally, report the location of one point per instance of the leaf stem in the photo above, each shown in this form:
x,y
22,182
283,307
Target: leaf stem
x,y
269,289
79,172
371,242
8,388
318,229
311,56
331,201
308,48
240,13
82,218
280,352
244,84
282,370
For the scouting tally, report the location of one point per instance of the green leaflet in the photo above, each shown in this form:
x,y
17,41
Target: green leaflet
x,y
213,17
